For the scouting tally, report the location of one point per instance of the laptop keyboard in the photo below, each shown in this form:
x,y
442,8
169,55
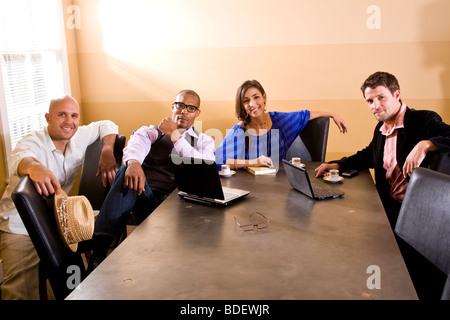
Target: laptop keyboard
x,y
229,195
321,192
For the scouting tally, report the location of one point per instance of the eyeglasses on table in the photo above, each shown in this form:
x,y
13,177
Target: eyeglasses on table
x,y
253,216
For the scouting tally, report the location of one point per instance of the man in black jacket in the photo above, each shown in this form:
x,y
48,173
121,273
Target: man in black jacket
x,y
403,140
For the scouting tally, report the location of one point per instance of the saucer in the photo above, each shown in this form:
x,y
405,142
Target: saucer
x,y
327,178
301,165
227,175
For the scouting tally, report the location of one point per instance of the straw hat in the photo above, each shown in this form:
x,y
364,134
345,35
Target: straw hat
x,y
75,219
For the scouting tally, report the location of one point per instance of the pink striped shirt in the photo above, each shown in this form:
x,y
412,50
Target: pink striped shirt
x,y
394,174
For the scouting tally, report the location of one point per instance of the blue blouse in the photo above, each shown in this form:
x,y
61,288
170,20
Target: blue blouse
x,y
241,144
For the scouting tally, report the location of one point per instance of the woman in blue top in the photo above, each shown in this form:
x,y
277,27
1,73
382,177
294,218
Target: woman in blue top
x,y
262,138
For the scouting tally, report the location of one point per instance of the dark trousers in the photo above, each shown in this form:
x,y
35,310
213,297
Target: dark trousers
x,y
118,204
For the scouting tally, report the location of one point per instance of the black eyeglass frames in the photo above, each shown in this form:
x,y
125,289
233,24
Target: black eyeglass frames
x,y
181,106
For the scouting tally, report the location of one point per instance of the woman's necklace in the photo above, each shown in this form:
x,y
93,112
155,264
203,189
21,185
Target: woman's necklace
x,y
264,127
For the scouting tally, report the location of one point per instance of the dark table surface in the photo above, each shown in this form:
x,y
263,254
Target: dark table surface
x,y
330,249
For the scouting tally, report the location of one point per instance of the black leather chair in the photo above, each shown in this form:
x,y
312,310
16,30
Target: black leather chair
x,y
440,162
311,144
63,267
37,215
424,221
91,186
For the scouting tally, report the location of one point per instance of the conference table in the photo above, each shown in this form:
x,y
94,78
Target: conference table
x,y
340,248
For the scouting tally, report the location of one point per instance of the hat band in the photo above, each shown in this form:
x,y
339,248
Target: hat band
x,y
61,209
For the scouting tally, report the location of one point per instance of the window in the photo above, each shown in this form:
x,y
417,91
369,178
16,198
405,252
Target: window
x,y
33,65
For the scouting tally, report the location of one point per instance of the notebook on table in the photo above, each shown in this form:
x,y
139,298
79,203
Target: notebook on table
x,y
198,181
261,170
299,180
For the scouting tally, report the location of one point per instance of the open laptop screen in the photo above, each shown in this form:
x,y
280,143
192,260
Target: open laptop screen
x,y
198,177
297,178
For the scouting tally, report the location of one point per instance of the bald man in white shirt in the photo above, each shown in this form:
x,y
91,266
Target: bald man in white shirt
x,y
52,158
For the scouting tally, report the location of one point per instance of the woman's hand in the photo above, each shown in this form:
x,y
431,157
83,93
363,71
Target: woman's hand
x,y
337,119
340,123
263,161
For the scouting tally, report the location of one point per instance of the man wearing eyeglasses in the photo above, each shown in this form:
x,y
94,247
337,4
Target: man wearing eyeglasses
x,y
147,176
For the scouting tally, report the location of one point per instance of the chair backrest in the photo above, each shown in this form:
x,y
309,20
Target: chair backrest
x,y
424,218
440,162
37,215
311,144
91,186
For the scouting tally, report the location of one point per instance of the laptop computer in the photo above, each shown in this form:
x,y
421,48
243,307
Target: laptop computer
x,y
299,180
198,181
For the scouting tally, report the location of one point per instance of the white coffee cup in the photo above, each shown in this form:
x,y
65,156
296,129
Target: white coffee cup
x,y
226,169
333,174
296,161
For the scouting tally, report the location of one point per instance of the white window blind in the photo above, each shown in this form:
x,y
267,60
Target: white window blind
x,y
33,65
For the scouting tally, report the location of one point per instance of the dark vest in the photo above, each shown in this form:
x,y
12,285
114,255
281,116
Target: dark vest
x,y
158,166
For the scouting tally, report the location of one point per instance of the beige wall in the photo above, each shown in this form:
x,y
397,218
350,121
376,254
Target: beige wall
x,y
130,58
133,58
